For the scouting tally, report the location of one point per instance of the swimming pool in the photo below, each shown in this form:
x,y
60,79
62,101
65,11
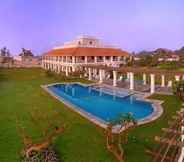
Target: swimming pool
x,y
99,104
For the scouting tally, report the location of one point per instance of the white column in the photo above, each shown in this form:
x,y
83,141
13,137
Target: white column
x,y
42,64
95,59
73,62
144,79
67,59
162,80
69,69
89,74
86,59
114,78
104,59
66,70
73,59
131,75
152,86
111,58
124,59
101,77
177,78
85,72
169,83
73,68
94,72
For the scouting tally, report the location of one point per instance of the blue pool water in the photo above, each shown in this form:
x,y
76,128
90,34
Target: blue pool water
x,y
99,104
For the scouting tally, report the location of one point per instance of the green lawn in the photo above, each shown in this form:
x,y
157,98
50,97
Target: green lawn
x,y
82,141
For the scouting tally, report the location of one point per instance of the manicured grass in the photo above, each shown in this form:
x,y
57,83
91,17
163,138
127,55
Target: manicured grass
x,y
181,69
82,141
142,137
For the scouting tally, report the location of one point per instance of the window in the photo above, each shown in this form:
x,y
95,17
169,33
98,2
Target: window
x,y
107,57
90,42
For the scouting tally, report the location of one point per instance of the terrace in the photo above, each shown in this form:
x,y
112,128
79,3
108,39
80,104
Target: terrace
x,y
141,79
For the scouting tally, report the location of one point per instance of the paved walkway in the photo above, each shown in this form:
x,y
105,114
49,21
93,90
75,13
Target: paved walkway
x,y
140,87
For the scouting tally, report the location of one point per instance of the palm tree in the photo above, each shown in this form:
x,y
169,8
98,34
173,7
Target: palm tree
x,y
123,122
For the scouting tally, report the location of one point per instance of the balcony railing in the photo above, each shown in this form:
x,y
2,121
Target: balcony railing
x,y
83,61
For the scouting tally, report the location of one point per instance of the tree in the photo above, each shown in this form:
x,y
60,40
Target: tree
x,y
178,89
4,52
146,60
123,123
26,53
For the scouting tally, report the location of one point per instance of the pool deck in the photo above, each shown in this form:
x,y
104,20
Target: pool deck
x,y
156,104
140,87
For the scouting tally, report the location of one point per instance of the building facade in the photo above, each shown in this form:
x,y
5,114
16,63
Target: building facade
x,y
83,50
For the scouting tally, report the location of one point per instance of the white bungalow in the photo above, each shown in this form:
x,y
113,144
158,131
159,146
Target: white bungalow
x,y
83,50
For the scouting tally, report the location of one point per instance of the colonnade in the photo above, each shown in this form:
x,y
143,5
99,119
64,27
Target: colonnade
x,y
59,68
130,78
92,72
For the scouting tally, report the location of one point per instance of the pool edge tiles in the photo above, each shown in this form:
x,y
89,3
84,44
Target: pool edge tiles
x,y
156,105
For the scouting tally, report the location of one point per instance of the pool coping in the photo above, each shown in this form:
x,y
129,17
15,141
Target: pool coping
x,y
156,104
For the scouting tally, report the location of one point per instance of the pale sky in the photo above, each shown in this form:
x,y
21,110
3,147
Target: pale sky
x,y
133,25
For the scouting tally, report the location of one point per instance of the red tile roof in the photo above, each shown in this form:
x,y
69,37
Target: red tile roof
x,y
86,51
